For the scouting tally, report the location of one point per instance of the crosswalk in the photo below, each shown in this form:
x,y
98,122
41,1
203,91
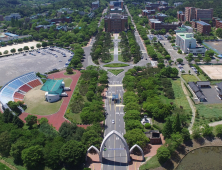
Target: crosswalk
x,y
121,113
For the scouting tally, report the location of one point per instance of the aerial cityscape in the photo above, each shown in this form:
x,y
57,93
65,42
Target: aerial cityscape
x,y
110,85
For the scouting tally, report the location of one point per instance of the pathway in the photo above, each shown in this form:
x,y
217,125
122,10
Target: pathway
x,y
193,108
116,41
58,118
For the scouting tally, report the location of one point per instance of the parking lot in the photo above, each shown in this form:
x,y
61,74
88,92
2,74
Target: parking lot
x,y
42,60
211,95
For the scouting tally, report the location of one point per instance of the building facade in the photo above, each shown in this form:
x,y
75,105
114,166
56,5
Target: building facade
x,y
116,23
217,22
176,4
187,43
116,4
192,13
147,12
95,5
156,24
1,18
202,27
13,15
180,16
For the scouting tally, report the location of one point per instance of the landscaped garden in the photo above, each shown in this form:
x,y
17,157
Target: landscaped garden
x,y
116,65
116,72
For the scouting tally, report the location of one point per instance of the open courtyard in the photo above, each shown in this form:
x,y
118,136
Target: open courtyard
x,y
213,71
42,61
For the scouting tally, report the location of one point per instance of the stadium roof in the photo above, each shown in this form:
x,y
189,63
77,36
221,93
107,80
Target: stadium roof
x,y
53,86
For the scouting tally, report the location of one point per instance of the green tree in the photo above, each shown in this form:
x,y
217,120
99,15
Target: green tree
x,y
185,133
20,49
163,154
90,138
44,44
67,130
7,116
33,157
51,153
0,53
207,59
31,120
132,115
147,126
73,153
197,60
13,50
32,47
6,52
133,124
176,126
219,32
17,148
5,143
180,60
25,48
218,130
90,95
38,45
69,70
196,133
167,130
207,130
136,136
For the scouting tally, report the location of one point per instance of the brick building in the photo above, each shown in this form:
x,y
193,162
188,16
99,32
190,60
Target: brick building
x,y
198,14
1,18
164,8
202,27
180,16
116,23
95,5
116,4
217,22
148,7
156,24
147,12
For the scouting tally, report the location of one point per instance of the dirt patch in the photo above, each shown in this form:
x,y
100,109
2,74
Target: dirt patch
x,y
213,71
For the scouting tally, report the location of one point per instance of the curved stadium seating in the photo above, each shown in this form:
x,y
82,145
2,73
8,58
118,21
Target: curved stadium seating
x,y
16,89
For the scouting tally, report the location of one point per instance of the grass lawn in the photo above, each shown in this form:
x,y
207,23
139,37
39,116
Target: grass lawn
x,y
151,164
214,82
120,57
116,72
208,113
202,78
112,50
10,160
74,117
67,81
36,104
4,167
69,74
189,78
116,65
180,97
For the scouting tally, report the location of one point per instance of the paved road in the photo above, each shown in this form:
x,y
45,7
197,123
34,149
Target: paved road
x,y
114,159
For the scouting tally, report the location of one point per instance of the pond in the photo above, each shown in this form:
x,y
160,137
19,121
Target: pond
x,y
202,158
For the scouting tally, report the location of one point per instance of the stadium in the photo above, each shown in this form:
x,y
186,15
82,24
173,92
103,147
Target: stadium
x,y
16,89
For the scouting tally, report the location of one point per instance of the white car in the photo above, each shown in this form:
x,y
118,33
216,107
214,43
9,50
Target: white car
x,y
113,121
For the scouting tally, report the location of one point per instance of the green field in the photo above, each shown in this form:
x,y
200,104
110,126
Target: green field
x,y
208,113
189,78
151,164
4,167
116,65
180,97
67,81
202,77
116,72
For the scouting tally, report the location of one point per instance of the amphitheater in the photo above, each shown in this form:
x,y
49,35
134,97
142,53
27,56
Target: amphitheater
x,y
16,89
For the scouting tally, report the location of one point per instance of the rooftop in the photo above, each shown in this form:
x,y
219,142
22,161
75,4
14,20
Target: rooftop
x,y
202,23
186,35
53,86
